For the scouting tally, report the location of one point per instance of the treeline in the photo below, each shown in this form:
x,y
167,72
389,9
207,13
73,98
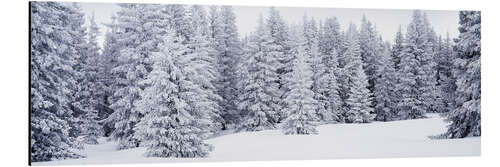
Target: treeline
x,y
170,76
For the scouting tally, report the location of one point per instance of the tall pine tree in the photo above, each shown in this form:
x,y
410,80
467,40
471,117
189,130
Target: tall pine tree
x,y
53,56
466,117
171,126
300,102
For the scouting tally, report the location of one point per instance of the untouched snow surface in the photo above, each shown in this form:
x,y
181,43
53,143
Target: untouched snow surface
x,y
375,140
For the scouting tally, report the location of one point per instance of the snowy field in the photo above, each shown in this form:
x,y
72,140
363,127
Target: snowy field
x,y
375,140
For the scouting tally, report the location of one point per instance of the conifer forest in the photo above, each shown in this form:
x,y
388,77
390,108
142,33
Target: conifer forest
x,y
174,82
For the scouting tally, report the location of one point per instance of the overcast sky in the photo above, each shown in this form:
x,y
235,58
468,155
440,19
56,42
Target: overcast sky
x,y
386,20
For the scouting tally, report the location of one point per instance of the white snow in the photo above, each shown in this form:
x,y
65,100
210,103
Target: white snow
x,y
374,140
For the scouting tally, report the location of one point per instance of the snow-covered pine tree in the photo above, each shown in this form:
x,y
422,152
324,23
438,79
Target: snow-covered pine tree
x,y
259,97
52,58
319,72
90,88
330,36
408,106
296,41
446,80
300,103
343,79
332,84
278,47
79,45
427,80
225,39
358,102
397,48
416,76
170,127
176,18
384,93
330,43
370,52
202,68
108,61
466,117
139,29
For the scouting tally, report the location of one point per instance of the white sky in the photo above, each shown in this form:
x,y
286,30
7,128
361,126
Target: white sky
x,y
386,20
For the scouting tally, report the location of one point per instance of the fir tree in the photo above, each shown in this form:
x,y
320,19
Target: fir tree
x,y
134,32
384,93
90,88
397,48
225,39
446,80
202,68
417,83
170,127
108,61
370,51
52,59
260,96
319,75
358,103
278,47
300,104
465,118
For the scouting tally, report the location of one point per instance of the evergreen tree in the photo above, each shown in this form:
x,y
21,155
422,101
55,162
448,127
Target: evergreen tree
x,y
259,96
358,103
397,48
175,17
53,56
384,93
430,94
202,68
446,80
319,75
409,106
465,118
108,61
278,47
225,39
170,127
370,52
136,27
417,80
332,85
90,88
301,116
330,37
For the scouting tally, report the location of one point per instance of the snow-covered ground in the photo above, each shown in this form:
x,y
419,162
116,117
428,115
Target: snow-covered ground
x,y
375,140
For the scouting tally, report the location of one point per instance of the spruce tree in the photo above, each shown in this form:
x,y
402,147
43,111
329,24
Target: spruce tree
x,y
52,76
370,51
417,82
137,37
465,118
445,78
260,96
358,102
90,88
318,67
278,47
225,39
202,68
106,62
384,93
300,102
397,48
171,126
